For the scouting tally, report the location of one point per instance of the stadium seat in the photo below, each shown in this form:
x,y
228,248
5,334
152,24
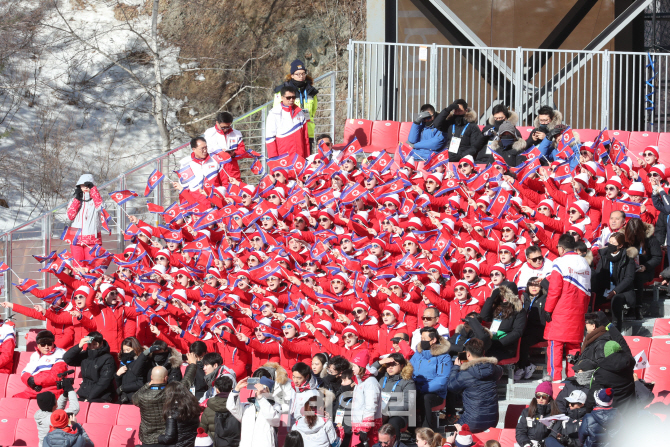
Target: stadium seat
x,y
361,129
13,408
638,344
14,385
32,408
660,375
3,384
128,415
659,351
621,135
7,430
587,134
99,433
403,135
512,415
507,437
26,433
486,435
77,383
183,369
525,131
661,325
77,372
639,140
124,436
21,361
557,388
385,136
31,335
82,416
101,412
664,147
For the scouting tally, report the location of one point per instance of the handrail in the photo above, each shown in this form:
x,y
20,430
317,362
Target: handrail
x,y
154,160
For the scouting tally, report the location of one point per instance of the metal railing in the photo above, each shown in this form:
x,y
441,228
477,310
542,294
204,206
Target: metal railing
x,y
593,89
42,234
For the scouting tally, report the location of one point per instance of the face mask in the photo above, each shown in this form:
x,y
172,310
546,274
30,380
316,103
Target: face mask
x,y
497,123
506,142
583,378
127,357
161,358
346,388
299,84
425,345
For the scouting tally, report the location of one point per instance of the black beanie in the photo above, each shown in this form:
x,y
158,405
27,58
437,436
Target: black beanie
x,y
297,65
46,401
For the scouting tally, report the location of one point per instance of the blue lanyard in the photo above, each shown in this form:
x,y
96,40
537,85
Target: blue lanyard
x,y
459,337
394,386
453,129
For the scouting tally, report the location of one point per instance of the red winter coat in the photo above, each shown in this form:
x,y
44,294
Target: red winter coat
x,y
64,333
7,345
110,321
382,335
45,378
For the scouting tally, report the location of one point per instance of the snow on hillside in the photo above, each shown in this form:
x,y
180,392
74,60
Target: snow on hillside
x,y
79,112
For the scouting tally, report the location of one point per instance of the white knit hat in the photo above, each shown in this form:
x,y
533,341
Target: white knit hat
x,y
202,439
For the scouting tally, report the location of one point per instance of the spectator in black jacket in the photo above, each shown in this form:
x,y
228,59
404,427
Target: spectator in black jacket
x,y
641,236
199,348
131,375
160,354
661,201
459,124
181,412
615,371
529,429
598,332
477,379
566,433
509,145
617,286
504,310
471,328
547,118
499,115
97,368
534,298
217,421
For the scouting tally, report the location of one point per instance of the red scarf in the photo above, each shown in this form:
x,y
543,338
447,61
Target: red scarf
x,y
67,429
292,110
222,132
363,378
302,388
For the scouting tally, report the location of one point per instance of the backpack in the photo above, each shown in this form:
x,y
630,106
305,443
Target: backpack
x,y
220,427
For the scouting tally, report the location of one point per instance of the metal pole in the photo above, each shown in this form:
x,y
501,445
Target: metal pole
x,y
8,247
120,218
432,93
46,233
350,81
158,197
518,80
264,149
605,99
333,99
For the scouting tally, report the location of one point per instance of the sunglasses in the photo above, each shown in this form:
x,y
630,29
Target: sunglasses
x,y
161,258
309,264
534,284
359,311
396,287
349,335
287,326
266,218
543,208
468,271
432,318
538,259
337,281
324,219
298,221
386,222
649,154
326,144
573,212
386,314
655,174
479,230
272,196
374,246
257,239
289,97
495,274
391,365
46,343
257,329
504,252
463,165
573,233
181,276
204,303
277,174
460,289
389,205
610,188
584,153
507,230
541,396
406,244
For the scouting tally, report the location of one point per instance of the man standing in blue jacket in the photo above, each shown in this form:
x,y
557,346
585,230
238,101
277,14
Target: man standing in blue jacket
x,y
423,136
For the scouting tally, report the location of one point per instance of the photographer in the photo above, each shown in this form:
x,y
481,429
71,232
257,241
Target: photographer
x,y
41,372
47,404
160,354
547,118
97,368
130,376
151,400
84,211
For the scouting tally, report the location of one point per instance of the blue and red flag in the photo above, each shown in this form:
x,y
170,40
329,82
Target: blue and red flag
x,y
26,285
121,197
154,179
50,257
185,174
70,235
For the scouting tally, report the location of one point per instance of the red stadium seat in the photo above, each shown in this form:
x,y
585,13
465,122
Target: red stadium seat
x,y
361,129
507,437
100,412
557,388
13,408
587,134
128,415
77,372
660,375
183,369
77,382
659,352
82,416
26,433
3,384
621,135
664,147
639,140
403,135
32,408
525,131
638,344
384,136
8,430
486,435
661,326
14,385
124,436
512,414
31,344
21,362
99,433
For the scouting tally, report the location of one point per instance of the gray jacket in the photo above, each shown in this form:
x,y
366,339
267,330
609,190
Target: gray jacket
x,y
43,418
59,438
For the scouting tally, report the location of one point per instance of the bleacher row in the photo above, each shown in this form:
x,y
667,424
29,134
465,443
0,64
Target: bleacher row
x,y
385,135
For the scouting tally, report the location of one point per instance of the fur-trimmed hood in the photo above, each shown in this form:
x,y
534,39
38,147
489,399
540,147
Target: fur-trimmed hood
x,y
441,347
512,298
513,118
649,230
175,358
632,252
280,374
469,117
589,256
518,146
473,362
558,119
407,372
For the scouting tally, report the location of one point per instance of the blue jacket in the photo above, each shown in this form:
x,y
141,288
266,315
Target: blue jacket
x,y
549,152
598,427
426,140
477,380
58,438
431,368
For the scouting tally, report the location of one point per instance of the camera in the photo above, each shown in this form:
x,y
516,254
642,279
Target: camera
x,y
572,358
65,383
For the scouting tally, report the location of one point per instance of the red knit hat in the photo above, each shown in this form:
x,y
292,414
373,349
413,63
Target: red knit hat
x,y
59,419
362,358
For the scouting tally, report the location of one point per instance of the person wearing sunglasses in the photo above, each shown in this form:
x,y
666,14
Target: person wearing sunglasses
x,y
466,167
429,318
649,157
607,204
382,334
504,310
398,390
263,347
535,267
424,138
462,134
462,304
534,299
222,137
41,372
287,124
84,210
529,430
